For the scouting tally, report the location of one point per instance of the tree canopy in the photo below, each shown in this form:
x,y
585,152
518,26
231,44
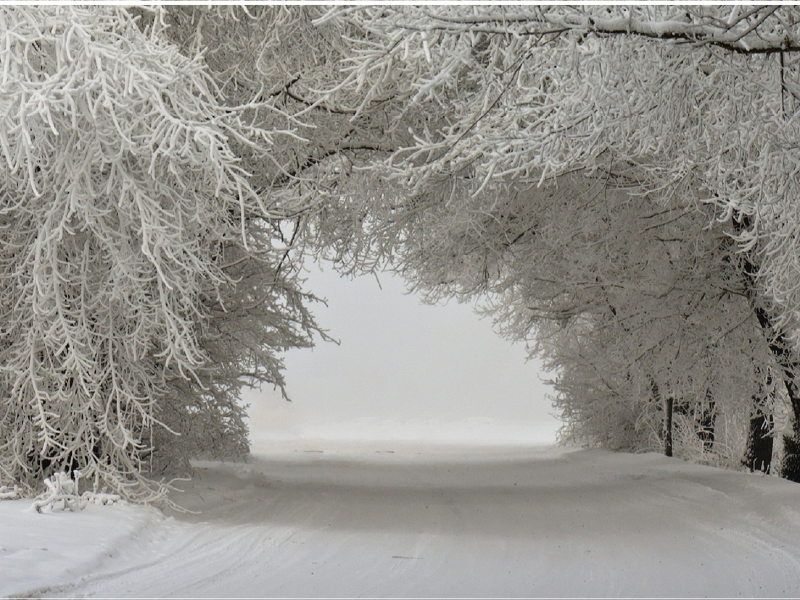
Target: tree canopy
x,y
615,185
511,109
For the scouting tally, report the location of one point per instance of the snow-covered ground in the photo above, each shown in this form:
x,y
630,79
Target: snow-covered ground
x,y
404,519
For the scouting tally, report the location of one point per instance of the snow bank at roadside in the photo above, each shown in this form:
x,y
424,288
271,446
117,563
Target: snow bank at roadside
x,y
39,552
397,519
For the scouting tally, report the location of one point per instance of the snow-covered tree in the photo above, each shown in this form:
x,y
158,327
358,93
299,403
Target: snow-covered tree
x,y
646,320
692,107
143,277
620,294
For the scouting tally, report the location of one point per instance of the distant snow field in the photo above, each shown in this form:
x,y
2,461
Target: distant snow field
x,y
405,519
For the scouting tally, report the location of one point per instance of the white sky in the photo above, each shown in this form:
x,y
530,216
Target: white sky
x,y
404,370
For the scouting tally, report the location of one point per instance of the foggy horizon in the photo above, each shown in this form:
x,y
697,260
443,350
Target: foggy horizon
x,y
403,370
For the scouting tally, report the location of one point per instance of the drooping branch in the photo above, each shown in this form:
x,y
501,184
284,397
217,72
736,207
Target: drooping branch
x,y
759,30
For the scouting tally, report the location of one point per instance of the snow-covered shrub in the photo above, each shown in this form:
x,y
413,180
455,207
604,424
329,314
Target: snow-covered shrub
x,y
141,282
61,493
9,492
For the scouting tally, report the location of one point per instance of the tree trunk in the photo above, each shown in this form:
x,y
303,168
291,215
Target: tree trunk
x,y
759,443
706,420
779,345
666,405
790,466
781,350
668,402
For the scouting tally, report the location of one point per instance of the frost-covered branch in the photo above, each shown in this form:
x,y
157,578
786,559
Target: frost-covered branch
x,y
123,205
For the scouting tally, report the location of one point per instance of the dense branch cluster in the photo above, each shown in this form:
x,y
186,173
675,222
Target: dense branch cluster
x,y
139,279
519,100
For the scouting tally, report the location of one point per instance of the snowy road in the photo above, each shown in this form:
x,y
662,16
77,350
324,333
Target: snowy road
x,y
540,522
